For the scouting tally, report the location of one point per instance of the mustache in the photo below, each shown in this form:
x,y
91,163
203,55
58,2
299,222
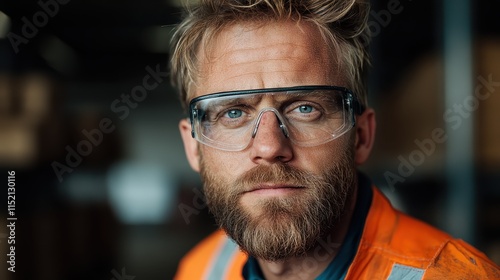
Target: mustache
x,y
277,173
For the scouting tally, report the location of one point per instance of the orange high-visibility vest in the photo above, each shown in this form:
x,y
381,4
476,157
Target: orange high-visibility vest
x,y
393,246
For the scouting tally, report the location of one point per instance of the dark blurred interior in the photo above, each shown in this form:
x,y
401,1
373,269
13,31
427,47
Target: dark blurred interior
x,y
102,185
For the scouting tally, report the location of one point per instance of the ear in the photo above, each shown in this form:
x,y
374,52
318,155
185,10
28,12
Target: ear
x,y
365,135
190,145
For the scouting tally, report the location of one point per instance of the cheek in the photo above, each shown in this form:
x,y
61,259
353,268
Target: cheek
x,y
320,158
227,165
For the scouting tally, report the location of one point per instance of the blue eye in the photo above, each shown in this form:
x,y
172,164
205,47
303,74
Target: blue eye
x,y
234,113
305,109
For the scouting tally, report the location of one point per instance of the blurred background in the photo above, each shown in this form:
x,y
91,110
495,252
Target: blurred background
x,y
88,121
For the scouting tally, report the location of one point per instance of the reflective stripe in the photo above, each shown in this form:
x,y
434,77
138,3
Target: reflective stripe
x,y
224,258
401,272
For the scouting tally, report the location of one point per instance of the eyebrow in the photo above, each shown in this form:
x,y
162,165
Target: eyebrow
x,y
231,101
278,97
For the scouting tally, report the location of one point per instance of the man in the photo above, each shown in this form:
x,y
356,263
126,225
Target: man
x,y
278,124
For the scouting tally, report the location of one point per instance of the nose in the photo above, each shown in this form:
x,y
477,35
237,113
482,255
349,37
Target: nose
x,y
281,122
270,139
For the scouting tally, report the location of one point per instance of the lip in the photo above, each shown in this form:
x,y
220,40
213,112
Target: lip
x,y
274,188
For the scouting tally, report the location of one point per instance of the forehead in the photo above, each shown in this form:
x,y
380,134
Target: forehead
x,y
265,55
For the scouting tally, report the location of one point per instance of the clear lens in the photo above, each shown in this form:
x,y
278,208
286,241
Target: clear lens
x,y
309,116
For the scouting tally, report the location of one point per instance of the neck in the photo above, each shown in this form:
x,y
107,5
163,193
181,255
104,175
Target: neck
x,y
314,262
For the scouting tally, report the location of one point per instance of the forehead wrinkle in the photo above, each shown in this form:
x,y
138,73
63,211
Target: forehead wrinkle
x,y
255,74
243,58
268,66
262,66
240,44
283,50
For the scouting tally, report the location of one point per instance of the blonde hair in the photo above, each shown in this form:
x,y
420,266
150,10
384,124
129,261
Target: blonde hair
x,y
342,23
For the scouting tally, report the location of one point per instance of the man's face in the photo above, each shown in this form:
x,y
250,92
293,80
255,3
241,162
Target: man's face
x,y
275,199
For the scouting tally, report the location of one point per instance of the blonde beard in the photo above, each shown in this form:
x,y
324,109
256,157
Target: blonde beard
x,y
284,227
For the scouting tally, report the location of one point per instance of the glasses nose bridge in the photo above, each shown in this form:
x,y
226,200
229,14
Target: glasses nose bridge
x,y
279,117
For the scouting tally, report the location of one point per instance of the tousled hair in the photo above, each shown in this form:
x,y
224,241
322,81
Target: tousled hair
x,y
342,23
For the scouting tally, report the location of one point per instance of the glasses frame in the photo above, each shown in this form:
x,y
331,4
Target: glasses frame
x,y
357,107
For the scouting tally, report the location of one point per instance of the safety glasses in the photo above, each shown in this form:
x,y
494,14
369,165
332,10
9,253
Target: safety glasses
x,y
307,115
